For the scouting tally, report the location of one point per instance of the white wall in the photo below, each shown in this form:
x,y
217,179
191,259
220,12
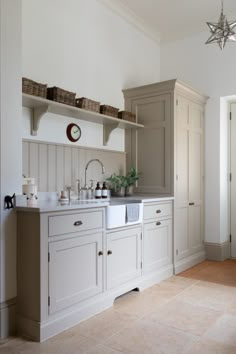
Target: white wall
x,y
10,148
84,47
79,45
211,71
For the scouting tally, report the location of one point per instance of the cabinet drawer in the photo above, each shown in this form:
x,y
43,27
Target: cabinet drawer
x,y
157,210
63,224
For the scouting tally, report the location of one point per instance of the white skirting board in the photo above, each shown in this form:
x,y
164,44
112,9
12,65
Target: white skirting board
x,y
7,318
82,311
217,251
189,262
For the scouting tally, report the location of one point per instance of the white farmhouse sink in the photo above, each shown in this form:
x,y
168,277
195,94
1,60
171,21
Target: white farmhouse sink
x,y
116,213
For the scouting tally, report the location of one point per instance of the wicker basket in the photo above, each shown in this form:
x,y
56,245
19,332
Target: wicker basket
x,y
34,88
127,116
88,104
109,110
59,95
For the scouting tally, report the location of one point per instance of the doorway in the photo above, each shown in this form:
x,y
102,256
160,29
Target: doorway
x,y
233,179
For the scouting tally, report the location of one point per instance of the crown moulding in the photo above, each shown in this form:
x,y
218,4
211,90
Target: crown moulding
x,y
129,16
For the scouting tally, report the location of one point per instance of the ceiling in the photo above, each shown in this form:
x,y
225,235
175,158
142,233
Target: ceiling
x,y
169,20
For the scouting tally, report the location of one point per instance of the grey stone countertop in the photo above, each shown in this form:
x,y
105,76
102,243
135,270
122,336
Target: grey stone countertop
x,y
56,205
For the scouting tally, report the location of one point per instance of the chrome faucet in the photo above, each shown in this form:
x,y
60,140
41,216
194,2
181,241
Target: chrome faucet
x,y
93,160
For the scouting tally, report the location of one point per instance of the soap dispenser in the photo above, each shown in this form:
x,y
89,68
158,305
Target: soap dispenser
x,y
98,191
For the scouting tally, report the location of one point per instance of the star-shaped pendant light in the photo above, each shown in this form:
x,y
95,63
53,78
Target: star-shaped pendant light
x,y
222,31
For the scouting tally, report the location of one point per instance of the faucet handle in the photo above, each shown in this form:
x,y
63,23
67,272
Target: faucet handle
x,y
92,183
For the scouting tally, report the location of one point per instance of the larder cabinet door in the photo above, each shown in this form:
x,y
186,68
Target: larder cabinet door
x,y
151,147
195,177
189,179
75,270
123,256
182,180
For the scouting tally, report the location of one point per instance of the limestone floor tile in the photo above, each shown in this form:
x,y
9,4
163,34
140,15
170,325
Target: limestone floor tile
x,y
206,346
186,317
209,295
141,303
223,331
231,308
147,337
60,344
179,282
102,349
103,325
6,340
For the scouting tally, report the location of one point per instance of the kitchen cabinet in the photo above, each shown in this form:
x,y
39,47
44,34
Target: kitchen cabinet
x,y
75,270
41,106
60,264
169,152
123,255
157,237
69,267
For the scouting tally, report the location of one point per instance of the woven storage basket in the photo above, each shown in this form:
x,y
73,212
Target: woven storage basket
x,y
109,110
59,95
34,88
127,116
88,104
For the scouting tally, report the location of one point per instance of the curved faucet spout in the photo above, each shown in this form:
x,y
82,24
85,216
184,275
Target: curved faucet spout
x,y
93,160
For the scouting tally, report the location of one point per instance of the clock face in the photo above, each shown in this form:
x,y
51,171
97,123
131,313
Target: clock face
x,y
73,132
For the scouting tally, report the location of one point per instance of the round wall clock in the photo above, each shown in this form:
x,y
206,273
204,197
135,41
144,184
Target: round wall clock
x,y
73,132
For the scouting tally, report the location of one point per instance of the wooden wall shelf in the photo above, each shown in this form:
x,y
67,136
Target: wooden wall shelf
x,y
41,106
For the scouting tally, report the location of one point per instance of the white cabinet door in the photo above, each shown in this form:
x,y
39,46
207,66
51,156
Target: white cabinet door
x,y
157,245
123,256
189,179
75,270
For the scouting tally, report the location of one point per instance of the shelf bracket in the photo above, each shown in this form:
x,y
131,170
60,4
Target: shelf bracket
x,y
38,113
107,129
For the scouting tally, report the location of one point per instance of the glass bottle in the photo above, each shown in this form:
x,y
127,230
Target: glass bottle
x,y
104,190
98,191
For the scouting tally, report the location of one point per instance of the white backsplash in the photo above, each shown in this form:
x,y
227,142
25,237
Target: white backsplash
x,y
56,166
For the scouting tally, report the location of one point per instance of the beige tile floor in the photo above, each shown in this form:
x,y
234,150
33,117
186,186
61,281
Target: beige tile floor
x,y
178,316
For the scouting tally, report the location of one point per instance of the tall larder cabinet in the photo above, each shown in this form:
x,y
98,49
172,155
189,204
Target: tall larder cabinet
x,y
169,151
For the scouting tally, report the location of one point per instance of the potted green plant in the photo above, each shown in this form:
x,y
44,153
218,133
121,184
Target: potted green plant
x,y
131,178
117,185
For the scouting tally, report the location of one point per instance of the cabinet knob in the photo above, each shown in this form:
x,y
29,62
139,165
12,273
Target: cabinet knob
x,y
100,253
158,211
109,252
158,223
78,223
192,203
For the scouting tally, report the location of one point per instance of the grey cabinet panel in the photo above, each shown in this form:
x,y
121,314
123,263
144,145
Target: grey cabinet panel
x,y
151,146
169,152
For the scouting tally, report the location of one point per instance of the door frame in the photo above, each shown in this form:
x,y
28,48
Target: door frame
x,y
229,171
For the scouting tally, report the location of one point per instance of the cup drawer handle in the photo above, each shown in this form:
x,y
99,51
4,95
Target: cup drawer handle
x,y
158,223
158,211
78,223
